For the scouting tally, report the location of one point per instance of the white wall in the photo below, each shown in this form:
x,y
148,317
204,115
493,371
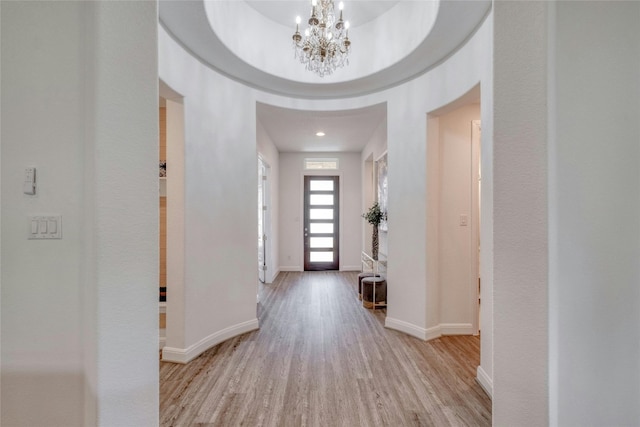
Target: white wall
x,y
41,283
175,306
594,214
520,214
79,315
566,278
125,237
291,208
221,199
270,154
485,370
433,226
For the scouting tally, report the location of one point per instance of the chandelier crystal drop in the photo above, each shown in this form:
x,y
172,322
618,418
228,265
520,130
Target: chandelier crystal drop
x,y
325,44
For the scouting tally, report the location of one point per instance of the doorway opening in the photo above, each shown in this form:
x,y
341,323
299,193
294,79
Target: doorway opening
x,y
453,188
264,220
162,213
476,198
321,223
171,207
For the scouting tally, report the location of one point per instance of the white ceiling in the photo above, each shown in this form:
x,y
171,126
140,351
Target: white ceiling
x,y
345,131
426,31
189,24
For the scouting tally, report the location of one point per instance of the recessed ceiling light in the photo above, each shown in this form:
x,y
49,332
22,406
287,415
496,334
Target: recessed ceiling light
x,y
320,133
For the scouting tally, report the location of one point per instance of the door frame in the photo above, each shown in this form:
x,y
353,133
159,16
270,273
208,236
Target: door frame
x,y
266,226
474,286
306,263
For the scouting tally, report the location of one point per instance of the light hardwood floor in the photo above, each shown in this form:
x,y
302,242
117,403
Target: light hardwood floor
x,y
321,359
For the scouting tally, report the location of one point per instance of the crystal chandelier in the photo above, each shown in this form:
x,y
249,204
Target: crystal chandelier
x,y
325,45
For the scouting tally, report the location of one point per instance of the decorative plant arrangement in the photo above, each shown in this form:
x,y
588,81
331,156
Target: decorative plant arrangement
x,y
374,216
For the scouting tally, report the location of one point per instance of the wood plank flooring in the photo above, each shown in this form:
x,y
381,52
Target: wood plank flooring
x,y
321,359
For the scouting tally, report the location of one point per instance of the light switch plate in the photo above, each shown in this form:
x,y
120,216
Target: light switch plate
x,y
44,227
29,186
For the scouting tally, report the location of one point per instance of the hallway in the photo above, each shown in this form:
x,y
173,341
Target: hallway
x,y
319,358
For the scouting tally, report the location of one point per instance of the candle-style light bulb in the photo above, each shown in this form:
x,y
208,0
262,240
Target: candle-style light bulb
x,y
313,20
296,36
341,5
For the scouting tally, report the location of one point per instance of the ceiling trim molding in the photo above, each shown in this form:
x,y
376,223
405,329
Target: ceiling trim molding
x,y
377,82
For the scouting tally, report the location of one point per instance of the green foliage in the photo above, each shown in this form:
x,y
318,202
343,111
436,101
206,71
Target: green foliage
x,y
374,216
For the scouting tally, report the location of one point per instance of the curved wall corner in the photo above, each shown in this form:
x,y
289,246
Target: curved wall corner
x,y
220,277
185,355
224,113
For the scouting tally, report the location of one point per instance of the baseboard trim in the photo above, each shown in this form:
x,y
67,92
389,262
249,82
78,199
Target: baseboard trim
x,y
485,381
290,268
456,329
185,355
273,277
162,342
433,333
429,333
406,327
